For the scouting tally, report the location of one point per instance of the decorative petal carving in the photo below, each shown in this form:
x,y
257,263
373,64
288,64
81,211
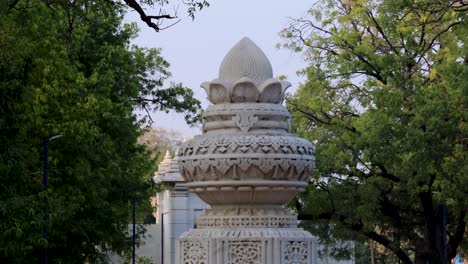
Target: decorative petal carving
x,y
244,165
204,166
271,91
245,75
284,86
206,87
244,90
218,91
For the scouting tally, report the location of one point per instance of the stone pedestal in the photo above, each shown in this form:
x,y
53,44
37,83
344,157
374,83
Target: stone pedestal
x,y
247,245
247,234
246,165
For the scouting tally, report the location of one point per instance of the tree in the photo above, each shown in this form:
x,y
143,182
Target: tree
x,y
153,21
385,104
66,67
191,5
158,140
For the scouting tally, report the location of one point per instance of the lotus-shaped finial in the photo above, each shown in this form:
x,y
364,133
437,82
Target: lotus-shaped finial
x,y
245,75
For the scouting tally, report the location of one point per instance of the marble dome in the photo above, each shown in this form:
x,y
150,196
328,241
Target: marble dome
x,y
245,60
245,75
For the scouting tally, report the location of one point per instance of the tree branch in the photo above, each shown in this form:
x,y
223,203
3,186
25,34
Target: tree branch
x,y
384,36
144,17
374,71
314,26
385,174
358,228
389,244
431,43
161,17
311,116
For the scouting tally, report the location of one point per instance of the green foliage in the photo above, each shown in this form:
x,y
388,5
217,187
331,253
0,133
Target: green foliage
x,y
138,260
66,67
385,104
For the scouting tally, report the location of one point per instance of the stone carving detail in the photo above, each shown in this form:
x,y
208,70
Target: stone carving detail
x,y
296,252
245,75
246,193
245,143
281,169
244,252
247,217
268,116
242,157
246,165
195,252
246,221
244,120
259,108
245,60
250,245
236,234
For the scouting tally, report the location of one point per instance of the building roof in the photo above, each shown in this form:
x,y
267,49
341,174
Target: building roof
x,y
168,170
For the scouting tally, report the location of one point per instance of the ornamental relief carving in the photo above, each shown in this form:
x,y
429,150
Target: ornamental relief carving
x,y
244,252
279,126
245,143
246,221
259,108
296,252
295,234
248,211
246,117
240,157
245,120
225,112
297,168
194,252
246,165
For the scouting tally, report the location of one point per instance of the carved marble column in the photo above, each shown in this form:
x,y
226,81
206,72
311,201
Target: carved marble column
x,y
246,165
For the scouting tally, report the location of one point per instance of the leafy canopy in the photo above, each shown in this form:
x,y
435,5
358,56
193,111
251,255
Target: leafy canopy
x,y
67,67
385,104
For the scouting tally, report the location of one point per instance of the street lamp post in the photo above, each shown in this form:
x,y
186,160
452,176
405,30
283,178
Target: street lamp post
x,y
45,182
133,229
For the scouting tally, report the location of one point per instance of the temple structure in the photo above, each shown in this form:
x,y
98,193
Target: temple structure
x,y
176,209
246,166
176,212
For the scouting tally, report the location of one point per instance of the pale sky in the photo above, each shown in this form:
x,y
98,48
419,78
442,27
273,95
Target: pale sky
x,y
196,48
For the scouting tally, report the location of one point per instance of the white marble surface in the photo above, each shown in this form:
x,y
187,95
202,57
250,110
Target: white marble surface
x,y
175,208
246,165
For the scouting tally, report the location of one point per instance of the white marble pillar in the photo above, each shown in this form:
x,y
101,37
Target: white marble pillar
x,y
246,165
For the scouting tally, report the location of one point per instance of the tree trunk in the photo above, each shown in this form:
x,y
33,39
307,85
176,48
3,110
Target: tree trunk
x,y
433,250
420,258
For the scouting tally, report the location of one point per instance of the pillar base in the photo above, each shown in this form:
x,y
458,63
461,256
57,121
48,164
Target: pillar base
x,y
246,246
